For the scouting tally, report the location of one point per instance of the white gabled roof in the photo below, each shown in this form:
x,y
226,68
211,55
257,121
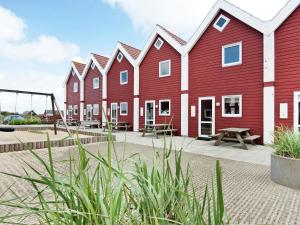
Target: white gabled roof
x,y
93,59
176,42
77,73
128,51
233,10
282,15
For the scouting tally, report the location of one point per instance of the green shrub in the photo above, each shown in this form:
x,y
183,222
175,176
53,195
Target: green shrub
x,y
107,193
33,120
286,142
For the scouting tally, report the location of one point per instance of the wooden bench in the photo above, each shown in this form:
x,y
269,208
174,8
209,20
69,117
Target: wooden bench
x,y
157,129
90,124
118,125
251,139
215,136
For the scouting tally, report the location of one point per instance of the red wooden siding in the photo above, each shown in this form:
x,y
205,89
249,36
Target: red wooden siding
x,y
208,78
287,65
117,93
93,96
73,98
152,87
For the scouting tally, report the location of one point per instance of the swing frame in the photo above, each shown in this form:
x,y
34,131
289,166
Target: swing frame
x,y
53,103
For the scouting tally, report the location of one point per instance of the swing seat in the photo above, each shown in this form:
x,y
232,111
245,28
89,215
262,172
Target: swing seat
x,y
7,129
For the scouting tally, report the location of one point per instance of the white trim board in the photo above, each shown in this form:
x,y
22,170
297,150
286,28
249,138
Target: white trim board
x,y
236,12
118,48
158,31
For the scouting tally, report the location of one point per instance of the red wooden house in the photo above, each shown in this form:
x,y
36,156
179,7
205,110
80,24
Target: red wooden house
x,y
92,84
160,79
73,89
120,72
286,80
226,72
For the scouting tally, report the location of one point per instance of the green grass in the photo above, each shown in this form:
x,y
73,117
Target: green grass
x,y
112,190
286,142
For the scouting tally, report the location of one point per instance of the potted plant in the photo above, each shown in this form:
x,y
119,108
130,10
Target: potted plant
x,y
285,160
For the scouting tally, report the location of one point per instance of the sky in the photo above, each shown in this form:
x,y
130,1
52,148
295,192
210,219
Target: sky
x,y
38,39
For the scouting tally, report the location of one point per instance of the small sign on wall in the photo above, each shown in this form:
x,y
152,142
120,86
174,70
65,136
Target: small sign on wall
x,y
283,108
141,111
193,111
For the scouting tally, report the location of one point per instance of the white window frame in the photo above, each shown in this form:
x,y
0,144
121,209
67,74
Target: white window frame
x,y
240,44
94,111
122,83
158,46
123,103
159,107
75,108
94,86
75,84
165,75
223,106
120,58
93,65
73,72
225,24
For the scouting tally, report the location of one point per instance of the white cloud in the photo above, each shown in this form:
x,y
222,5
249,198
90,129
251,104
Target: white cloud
x,y
12,27
44,49
31,81
184,16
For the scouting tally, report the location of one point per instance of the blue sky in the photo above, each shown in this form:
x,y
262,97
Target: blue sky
x,y
39,38
93,24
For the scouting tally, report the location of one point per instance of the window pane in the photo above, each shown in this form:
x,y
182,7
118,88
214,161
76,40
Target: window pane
x,y
96,82
165,68
96,109
232,54
124,77
232,106
221,22
124,108
165,108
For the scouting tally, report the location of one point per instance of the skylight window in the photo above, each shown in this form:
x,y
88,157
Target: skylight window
x,y
120,57
159,42
221,23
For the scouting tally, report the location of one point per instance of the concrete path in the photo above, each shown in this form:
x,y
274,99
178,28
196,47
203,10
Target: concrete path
x,y
256,154
250,196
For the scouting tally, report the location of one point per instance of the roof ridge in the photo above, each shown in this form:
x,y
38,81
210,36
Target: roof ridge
x,y
174,36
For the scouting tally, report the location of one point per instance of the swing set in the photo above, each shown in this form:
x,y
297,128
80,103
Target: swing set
x,y
53,105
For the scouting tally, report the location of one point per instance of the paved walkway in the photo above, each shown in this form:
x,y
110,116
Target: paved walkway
x,y
256,154
250,196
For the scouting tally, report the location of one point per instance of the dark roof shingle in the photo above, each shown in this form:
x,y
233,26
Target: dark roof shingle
x,y
175,37
79,66
102,60
134,52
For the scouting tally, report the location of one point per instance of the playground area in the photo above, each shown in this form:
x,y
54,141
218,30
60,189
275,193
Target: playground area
x,y
33,136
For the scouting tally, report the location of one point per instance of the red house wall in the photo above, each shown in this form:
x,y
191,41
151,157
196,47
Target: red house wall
x,y
207,77
287,65
153,87
117,93
73,98
93,96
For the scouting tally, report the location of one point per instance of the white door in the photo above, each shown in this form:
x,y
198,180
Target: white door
x,y
70,113
114,113
149,112
89,111
206,116
297,111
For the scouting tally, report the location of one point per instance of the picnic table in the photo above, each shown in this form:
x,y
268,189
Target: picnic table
x,y
123,125
157,129
90,124
70,122
241,135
